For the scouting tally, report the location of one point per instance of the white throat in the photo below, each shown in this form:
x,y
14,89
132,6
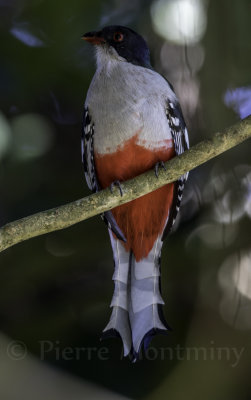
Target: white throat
x,y
107,58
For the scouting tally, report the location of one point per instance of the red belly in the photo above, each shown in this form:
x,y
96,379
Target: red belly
x,y
143,219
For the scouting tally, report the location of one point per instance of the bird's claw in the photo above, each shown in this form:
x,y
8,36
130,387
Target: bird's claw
x,y
116,183
159,165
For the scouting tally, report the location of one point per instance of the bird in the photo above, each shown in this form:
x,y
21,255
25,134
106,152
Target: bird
x,y
132,122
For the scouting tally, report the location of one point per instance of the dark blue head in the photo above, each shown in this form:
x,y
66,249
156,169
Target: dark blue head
x,y
126,42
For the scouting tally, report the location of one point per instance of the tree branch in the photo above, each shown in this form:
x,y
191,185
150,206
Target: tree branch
x,y
79,210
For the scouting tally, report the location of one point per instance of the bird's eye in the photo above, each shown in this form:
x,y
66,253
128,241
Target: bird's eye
x,y
118,37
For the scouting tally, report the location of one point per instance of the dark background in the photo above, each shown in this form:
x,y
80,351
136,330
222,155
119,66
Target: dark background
x,y
58,287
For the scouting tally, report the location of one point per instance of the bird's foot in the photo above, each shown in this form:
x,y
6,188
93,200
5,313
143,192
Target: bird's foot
x,y
159,165
116,183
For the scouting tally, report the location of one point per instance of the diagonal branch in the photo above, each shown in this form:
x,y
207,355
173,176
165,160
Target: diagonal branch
x,y
79,210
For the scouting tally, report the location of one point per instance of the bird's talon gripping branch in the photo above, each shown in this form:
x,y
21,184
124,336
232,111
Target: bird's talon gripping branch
x,y
159,165
116,183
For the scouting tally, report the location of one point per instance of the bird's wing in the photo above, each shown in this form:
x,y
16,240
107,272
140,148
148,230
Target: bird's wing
x,y
181,143
87,142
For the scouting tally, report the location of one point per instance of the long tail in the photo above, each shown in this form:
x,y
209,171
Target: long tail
x,y
119,324
145,310
137,303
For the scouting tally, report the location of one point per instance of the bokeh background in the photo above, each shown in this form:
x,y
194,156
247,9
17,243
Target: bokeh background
x,y
55,290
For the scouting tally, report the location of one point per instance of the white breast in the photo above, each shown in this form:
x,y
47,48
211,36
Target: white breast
x,y
124,100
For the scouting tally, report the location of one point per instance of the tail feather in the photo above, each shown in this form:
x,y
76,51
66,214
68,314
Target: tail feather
x,y
145,324
120,296
119,324
137,303
145,292
146,301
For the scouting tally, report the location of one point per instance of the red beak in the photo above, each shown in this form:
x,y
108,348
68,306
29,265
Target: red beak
x,y
93,38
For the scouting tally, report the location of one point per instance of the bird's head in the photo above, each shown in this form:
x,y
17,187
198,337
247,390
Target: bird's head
x,y
121,43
